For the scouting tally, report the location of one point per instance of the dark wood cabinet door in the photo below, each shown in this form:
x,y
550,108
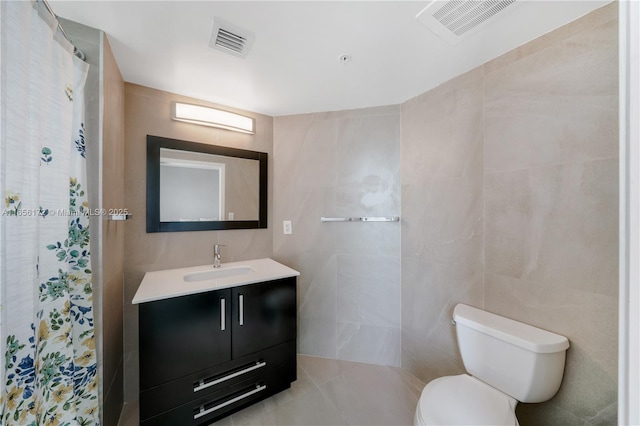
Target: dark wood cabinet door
x,y
264,315
182,335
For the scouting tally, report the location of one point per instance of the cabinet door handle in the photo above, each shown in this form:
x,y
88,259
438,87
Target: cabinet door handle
x,y
202,385
241,314
203,412
223,314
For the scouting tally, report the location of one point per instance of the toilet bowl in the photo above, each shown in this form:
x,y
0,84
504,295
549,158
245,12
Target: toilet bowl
x,y
464,400
507,361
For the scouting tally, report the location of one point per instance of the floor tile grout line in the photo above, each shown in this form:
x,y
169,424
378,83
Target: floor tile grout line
x,y
309,375
326,397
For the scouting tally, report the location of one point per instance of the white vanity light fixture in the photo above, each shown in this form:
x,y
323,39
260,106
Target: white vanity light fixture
x,y
212,117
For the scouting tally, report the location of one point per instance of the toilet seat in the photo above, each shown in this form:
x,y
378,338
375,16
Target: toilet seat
x,y
464,400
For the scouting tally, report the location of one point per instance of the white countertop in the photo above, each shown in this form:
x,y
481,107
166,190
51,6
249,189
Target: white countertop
x,y
158,285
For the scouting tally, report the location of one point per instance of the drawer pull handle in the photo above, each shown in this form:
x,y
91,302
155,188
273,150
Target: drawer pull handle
x,y
203,385
241,303
223,314
203,412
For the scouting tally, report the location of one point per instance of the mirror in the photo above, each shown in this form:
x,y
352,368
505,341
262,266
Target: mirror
x,y
198,187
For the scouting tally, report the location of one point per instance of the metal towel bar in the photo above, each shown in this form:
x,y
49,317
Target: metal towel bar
x,y
361,219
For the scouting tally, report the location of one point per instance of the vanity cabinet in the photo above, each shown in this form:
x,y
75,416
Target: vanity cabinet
x,y
266,316
206,355
182,335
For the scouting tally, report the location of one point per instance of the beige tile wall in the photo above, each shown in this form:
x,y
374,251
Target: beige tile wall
x,y
510,195
342,164
148,112
113,233
551,206
442,164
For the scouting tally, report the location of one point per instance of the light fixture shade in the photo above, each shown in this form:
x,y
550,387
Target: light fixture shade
x,y
212,117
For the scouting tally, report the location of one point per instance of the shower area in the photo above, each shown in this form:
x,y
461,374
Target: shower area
x,y
61,154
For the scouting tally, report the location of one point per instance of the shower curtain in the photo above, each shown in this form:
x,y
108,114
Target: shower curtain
x,y
48,370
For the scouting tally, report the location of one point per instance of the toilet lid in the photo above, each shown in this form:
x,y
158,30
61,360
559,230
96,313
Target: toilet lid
x,y
465,400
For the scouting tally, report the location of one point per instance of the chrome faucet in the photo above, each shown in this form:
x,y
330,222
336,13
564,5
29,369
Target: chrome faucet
x,y
216,255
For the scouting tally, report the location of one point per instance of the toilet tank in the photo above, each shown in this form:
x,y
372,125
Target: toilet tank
x,y
525,362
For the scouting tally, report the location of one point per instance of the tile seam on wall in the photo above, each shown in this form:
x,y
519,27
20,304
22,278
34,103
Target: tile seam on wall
x,y
484,177
542,166
400,223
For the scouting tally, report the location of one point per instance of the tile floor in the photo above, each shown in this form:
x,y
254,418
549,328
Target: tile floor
x,y
330,392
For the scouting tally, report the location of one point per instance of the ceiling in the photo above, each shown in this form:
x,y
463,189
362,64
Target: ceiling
x,y
293,66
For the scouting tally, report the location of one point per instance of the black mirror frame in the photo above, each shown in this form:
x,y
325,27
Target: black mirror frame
x,y
154,143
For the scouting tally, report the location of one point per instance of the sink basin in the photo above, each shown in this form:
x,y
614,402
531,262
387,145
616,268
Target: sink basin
x,y
161,285
218,273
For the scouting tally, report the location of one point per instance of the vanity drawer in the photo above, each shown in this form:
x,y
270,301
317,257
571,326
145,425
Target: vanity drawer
x,y
212,380
205,410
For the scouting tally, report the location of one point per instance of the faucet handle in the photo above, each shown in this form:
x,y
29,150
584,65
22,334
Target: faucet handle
x,y
216,248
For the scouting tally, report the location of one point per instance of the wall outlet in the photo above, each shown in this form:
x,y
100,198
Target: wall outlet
x,y
231,215
286,227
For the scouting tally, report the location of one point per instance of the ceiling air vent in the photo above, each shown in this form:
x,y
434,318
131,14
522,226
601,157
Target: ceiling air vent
x,y
453,19
230,38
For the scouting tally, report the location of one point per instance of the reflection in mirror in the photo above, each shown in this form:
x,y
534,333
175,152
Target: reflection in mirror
x,y
194,186
191,189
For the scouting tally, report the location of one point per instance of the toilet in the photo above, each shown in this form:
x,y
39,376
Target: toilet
x,y
507,362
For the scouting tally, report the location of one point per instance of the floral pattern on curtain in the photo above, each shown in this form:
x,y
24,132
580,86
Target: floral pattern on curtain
x,y
49,370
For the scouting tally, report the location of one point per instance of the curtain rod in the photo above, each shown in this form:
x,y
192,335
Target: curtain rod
x,y
76,51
